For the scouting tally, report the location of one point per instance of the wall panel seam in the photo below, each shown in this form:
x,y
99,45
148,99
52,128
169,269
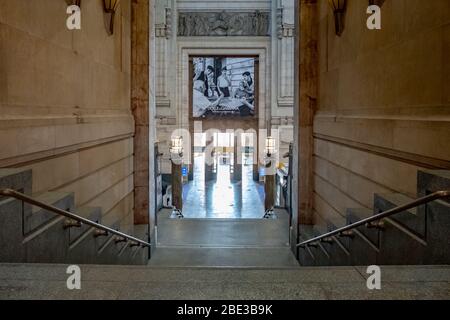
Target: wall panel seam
x,y
340,191
32,158
405,157
356,174
91,173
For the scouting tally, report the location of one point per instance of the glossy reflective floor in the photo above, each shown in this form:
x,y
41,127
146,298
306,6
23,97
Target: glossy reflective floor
x,y
223,199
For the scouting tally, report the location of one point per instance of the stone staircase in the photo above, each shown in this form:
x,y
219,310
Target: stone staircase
x,y
250,243
31,234
223,259
414,237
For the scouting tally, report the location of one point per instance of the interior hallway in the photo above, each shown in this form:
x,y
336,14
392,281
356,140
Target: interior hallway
x,y
222,198
223,224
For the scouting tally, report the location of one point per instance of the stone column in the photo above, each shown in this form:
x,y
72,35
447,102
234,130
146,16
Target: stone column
x,y
237,159
191,165
177,182
255,158
270,171
209,157
140,84
306,99
269,191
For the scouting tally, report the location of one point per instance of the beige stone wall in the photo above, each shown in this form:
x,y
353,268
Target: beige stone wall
x,y
65,102
383,104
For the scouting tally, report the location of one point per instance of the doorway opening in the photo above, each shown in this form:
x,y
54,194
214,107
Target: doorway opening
x,y
173,81
218,194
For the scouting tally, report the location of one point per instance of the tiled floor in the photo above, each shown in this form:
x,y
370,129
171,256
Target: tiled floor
x,y
222,198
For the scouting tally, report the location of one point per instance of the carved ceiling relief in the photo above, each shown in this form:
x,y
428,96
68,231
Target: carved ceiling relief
x,y
194,24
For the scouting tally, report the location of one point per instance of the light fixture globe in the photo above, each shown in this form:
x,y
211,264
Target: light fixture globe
x,y
176,146
270,147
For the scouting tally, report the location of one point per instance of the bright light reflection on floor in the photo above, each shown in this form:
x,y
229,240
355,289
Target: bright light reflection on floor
x,y
222,198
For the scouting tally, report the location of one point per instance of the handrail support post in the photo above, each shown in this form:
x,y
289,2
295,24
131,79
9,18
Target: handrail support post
x,y
70,223
380,225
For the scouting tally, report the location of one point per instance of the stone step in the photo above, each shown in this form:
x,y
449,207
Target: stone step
x,y
394,244
306,256
106,249
223,257
11,232
319,251
223,232
337,250
48,281
16,179
83,245
411,221
429,181
364,245
280,214
33,234
120,253
399,247
438,235
38,218
437,215
132,255
418,235
386,201
36,235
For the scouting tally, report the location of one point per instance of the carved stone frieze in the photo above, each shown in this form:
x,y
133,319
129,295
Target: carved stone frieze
x,y
225,23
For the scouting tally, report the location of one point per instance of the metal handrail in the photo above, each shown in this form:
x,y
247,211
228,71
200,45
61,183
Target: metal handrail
x,y
341,231
20,196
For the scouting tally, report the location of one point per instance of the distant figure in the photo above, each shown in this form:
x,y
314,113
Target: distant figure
x,y
240,92
246,107
224,83
248,84
199,73
210,84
